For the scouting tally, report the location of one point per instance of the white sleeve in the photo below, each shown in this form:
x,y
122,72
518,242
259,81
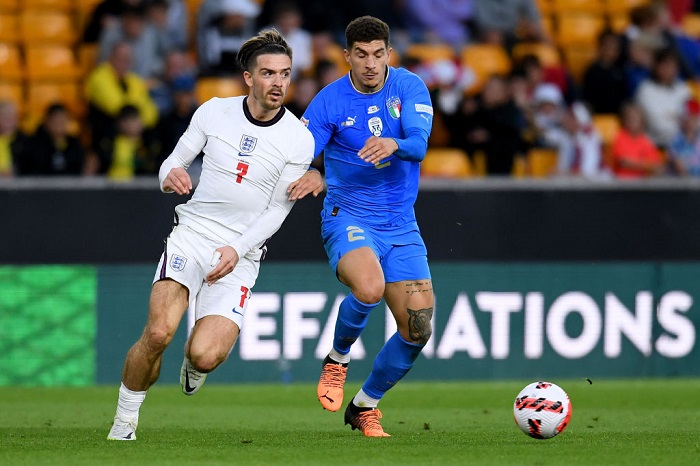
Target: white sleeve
x,y
272,218
188,147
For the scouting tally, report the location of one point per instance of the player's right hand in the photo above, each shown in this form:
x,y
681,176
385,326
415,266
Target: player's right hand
x,y
177,181
227,260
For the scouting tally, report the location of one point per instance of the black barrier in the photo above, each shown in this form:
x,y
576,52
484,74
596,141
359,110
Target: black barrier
x,y
81,221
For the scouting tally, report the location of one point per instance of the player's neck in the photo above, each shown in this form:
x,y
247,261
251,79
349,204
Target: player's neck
x,y
258,113
363,90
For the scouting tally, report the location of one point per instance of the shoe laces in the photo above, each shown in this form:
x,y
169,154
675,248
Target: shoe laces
x,y
333,375
369,420
193,373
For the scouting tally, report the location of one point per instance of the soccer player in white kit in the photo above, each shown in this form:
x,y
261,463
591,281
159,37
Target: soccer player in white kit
x,y
253,150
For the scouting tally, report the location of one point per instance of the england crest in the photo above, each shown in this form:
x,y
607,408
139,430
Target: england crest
x,y
248,144
394,106
177,263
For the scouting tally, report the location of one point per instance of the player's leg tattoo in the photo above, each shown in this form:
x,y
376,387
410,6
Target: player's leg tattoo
x,y
419,328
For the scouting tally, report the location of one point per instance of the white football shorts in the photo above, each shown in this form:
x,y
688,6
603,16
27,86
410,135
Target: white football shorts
x,y
187,260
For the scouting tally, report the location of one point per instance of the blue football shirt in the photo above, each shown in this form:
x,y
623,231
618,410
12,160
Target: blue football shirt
x,y
341,120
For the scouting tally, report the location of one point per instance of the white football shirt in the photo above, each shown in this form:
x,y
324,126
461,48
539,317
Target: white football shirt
x,y
241,198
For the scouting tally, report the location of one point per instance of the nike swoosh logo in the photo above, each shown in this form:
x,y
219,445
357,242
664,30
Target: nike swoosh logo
x,y
236,312
187,382
241,154
128,437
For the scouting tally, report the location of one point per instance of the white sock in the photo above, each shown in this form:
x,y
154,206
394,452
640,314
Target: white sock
x,y
341,358
129,403
363,400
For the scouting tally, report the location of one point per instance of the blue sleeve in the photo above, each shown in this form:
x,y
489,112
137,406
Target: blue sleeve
x,y
316,120
416,120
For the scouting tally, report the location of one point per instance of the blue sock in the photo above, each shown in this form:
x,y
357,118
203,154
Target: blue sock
x,y
352,318
394,361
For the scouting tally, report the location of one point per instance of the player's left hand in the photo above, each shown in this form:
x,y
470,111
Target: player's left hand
x,y
227,262
377,149
310,182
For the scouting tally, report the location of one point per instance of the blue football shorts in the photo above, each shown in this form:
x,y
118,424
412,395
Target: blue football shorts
x,y
400,249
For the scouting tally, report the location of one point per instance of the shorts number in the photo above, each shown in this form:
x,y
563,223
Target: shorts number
x,y
244,296
242,168
354,233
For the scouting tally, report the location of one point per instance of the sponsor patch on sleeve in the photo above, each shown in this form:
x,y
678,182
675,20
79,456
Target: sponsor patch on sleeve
x,y
422,108
306,122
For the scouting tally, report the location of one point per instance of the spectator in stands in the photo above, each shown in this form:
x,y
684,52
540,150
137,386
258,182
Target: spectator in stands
x,y
604,82
326,71
662,98
634,153
640,61
580,151
105,14
506,22
177,64
446,21
684,151
111,86
133,28
547,120
51,150
175,122
218,42
492,124
12,140
305,89
170,20
287,19
129,153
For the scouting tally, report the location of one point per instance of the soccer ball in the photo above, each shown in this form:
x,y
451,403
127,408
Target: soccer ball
x,y
542,410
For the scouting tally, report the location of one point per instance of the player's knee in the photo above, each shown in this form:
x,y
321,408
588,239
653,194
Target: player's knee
x,y
206,361
417,332
158,337
369,292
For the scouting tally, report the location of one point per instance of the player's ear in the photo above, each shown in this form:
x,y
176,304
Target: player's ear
x,y
346,55
248,78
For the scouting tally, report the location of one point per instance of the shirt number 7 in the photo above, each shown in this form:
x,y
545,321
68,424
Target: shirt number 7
x,y
242,168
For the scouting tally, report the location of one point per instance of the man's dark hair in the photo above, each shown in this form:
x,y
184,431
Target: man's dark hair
x,y
366,29
268,41
55,108
128,111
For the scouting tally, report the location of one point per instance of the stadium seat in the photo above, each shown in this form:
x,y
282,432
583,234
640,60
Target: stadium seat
x,y
607,126
445,163
548,26
691,25
485,60
87,57
12,92
618,22
47,28
51,63
11,67
578,29
50,5
622,6
547,53
541,162
206,88
430,52
10,6
578,58
583,6
42,94
545,6
9,28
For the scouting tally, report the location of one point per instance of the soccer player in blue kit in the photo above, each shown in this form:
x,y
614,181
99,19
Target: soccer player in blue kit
x,y
373,126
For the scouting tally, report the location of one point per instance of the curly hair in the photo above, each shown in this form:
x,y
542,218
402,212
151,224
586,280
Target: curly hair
x,y
366,29
268,41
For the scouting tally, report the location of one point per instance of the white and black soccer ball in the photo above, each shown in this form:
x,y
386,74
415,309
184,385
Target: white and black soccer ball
x,y
542,410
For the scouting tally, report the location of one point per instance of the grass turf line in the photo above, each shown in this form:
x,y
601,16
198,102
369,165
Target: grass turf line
x,y
616,422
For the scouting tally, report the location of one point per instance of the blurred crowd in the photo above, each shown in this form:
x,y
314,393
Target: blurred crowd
x,y
509,98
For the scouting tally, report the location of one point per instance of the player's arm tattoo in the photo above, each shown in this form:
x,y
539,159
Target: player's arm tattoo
x,y
419,324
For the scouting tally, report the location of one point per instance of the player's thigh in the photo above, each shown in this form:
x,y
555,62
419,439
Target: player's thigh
x,y
167,304
360,270
212,338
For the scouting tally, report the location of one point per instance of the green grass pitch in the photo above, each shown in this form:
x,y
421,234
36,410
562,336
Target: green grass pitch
x,y
621,422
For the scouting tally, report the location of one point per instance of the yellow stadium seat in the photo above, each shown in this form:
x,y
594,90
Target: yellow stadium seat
x,y
428,53
578,29
51,63
691,25
545,6
45,5
42,94
623,6
541,162
206,88
578,59
11,66
607,125
584,6
445,163
9,28
485,60
45,27
618,22
12,92
87,57
10,6
548,26
546,53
